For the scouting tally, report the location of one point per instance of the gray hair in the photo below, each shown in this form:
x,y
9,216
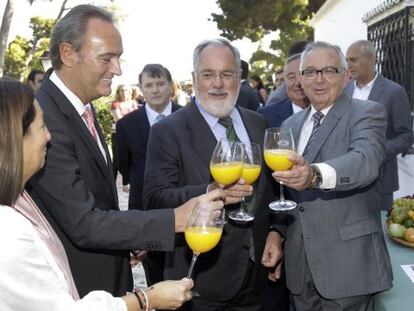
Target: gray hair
x,y
220,41
324,45
72,28
367,47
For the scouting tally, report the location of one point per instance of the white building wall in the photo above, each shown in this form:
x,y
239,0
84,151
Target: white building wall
x,y
340,21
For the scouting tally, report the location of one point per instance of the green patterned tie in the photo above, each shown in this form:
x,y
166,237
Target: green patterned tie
x,y
231,135
227,122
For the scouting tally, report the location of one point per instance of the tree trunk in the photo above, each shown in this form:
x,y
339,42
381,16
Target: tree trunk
x,y
4,31
62,9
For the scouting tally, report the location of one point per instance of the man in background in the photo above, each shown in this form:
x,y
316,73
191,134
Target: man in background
x,y
279,79
367,84
248,97
132,133
280,93
35,79
296,99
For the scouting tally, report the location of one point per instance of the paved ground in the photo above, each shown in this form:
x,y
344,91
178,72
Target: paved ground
x,y
137,271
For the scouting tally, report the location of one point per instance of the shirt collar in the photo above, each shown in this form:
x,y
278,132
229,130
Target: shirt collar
x,y
152,114
73,99
212,120
368,85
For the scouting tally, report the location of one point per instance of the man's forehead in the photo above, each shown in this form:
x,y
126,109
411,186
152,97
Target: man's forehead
x,y
321,56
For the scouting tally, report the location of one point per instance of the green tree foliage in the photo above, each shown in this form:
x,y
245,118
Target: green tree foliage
x,y
22,54
253,19
103,114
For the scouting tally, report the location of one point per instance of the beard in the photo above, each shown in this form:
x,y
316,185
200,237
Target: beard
x,y
217,108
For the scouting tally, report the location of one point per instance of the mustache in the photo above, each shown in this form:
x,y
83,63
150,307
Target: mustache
x,y
217,92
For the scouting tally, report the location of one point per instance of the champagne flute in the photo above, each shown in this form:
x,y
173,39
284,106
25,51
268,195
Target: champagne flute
x,y
250,173
226,163
278,145
203,231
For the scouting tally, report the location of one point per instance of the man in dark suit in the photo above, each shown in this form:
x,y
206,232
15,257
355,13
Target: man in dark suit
x,y
179,151
275,115
76,188
367,84
248,97
335,253
296,100
132,133
133,129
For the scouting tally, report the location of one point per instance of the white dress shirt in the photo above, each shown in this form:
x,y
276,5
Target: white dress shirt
x,y
364,91
219,130
152,114
328,172
30,278
77,104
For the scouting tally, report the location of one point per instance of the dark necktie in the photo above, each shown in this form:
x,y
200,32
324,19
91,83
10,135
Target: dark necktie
x,y
227,122
88,117
159,117
317,117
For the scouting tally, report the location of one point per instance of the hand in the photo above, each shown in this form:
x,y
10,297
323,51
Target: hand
x,y
235,192
183,212
272,257
299,177
125,188
169,294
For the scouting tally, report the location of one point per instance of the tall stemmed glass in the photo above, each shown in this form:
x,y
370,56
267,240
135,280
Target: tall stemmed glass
x,y
203,230
250,173
278,145
226,163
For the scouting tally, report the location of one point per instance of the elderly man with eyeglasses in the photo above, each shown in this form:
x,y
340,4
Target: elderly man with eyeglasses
x,y
335,255
231,276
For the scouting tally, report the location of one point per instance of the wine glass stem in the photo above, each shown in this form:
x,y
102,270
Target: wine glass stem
x,y
282,195
193,261
242,205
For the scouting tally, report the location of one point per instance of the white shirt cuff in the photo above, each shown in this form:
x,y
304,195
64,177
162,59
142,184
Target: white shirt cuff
x,y
328,176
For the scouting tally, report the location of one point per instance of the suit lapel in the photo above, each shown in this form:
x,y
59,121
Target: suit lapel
x,y
202,138
328,124
377,89
66,107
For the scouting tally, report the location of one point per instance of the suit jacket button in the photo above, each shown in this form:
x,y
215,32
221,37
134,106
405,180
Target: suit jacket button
x,y
301,208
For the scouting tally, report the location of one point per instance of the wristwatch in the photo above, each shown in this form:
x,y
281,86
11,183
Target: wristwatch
x,y
316,177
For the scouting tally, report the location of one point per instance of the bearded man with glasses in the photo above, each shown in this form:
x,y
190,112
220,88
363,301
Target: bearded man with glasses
x,y
231,276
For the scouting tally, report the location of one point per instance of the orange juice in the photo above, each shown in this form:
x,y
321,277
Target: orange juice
x,y
250,173
277,159
226,173
201,239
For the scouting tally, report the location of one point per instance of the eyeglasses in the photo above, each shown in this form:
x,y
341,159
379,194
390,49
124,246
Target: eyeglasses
x,y
327,73
210,76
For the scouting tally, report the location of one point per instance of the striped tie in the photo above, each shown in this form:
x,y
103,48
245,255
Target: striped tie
x,y
88,117
317,117
227,122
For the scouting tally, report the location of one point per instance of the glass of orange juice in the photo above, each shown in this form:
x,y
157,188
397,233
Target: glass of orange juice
x,y
278,145
203,230
226,163
250,173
